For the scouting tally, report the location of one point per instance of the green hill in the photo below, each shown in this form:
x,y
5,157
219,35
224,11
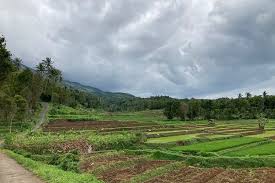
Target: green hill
x,y
97,92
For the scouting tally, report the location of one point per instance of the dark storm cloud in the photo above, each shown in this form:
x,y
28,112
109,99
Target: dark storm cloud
x,y
169,47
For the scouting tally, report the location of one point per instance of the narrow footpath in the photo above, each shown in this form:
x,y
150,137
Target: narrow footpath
x,y
10,170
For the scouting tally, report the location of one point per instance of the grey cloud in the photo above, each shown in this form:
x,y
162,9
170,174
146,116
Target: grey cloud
x,y
170,47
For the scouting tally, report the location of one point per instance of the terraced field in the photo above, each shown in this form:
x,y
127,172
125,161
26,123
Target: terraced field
x,y
133,148
172,138
65,125
216,175
264,149
218,145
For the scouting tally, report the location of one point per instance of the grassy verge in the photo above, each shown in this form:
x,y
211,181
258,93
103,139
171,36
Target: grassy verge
x,y
50,173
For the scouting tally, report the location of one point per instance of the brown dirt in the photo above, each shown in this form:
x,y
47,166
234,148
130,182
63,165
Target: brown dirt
x,y
12,172
90,164
267,175
124,174
60,125
188,174
217,175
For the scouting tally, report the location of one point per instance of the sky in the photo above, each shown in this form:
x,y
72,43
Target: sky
x,y
180,48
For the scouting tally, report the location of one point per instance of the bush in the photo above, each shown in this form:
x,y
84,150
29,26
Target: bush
x,y
68,161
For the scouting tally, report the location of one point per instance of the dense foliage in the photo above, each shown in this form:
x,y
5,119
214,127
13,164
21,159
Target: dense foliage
x,y
227,108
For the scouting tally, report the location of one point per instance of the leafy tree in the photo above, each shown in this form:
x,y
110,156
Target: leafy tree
x,y
6,66
248,95
183,111
23,80
22,108
172,109
240,96
262,121
17,63
8,108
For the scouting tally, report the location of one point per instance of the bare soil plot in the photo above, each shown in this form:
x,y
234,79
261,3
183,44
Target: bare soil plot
x,y
217,175
90,164
265,175
124,174
188,174
60,125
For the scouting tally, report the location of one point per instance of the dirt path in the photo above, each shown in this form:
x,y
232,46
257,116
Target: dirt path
x,y
12,172
42,117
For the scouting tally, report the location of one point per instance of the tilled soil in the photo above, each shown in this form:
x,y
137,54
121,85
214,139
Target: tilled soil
x,y
125,174
91,164
217,175
92,125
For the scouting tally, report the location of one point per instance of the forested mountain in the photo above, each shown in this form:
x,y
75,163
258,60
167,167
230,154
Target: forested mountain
x,y
97,91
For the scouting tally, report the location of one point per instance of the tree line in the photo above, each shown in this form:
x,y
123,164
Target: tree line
x,y
248,107
242,107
